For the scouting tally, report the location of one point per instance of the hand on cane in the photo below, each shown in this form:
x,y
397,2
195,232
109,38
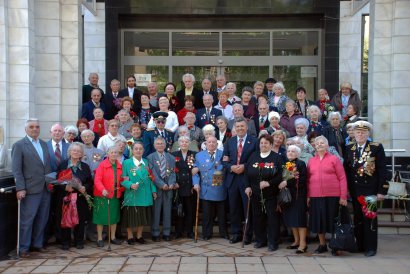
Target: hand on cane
x,y
21,194
248,192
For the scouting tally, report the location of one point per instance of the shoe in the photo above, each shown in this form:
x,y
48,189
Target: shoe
x,y
321,249
301,250
370,253
65,247
259,245
79,246
235,239
247,241
206,238
190,235
24,254
272,248
38,249
178,235
334,252
140,240
166,238
226,237
292,247
100,243
91,238
131,241
116,241
156,239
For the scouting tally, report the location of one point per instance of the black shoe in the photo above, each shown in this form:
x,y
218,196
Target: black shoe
x,y
116,241
156,239
190,235
100,243
91,238
334,252
206,238
272,248
140,240
79,246
65,247
178,235
259,245
38,249
131,241
301,250
226,237
321,249
166,238
292,247
370,253
235,239
247,241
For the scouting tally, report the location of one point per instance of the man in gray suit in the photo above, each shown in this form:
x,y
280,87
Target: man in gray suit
x,y
163,167
238,113
30,164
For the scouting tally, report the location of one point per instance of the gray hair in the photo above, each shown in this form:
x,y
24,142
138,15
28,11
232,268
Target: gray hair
x,y
290,101
280,86
298,150
298,140
315,108
71,128
30,120
208,128
111,148
237,106
231,84
333,114
240,119
208,95
162,99
188,75
160,138
87,131
302,121
124,111
183,137
323,138
223,118
75,144
183,127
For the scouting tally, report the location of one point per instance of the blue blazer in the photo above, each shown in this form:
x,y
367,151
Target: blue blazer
x,y
231,151
88,108
149,137
53,156
201,119
204,177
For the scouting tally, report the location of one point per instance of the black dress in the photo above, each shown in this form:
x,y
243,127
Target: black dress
x,y
265,218
296,214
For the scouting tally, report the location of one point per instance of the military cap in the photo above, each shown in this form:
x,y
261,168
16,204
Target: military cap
x,y
270,80
362,125
160,115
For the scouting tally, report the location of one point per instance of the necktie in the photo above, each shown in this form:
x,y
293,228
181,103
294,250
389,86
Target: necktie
x,y
212,156
163,134
115,95
238,158
163,166
360,151
57,153
261,121
208,114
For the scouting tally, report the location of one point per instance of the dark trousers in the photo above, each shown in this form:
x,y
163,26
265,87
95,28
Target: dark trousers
x,y
208,216
78,234
185,223
238,203
265,223
365,229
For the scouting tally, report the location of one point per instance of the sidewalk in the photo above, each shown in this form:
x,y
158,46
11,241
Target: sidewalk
x,y
214,256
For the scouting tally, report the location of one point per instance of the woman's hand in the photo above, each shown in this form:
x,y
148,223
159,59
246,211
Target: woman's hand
x,y
197,188
126,178
195,170
380,197
134,186
176,186
165,187
283,184
248,191
343,202
105,193
68,188
308,202
263,184
82,189
154,195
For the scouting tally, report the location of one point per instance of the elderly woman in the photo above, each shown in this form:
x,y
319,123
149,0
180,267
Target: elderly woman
x,y
195,133
224,106
136,135
123,153
279,141
332,150
82,124
334,133
107,193
345,97
70,133
174,104
184,162
99,125
280,99
316,123
139,194
172,119
231,89
258,88
274,118
209,131
188,107
125,123
223,133
327,188
92,155
249,107
264,173
184,131
301,126
288,119
351,115
77,191
295,216
127,104
146,111
301,143
112,137
350,134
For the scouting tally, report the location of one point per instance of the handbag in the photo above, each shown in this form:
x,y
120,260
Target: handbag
x,y
343,238
397,189
69,218
284,198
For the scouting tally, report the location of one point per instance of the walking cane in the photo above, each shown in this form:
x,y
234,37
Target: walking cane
x,y
245,226
196,218
109,226
18,228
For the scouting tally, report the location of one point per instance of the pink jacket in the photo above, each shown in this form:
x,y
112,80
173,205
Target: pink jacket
x,y
326,177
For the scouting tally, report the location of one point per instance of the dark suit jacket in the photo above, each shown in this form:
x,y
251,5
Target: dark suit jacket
x,y
201,119
184,173
110,109
149,136
231,150
53,156
87,93
88,108
28,169
153,161
266,124
136,97
227,136
308,103
195,92
198,94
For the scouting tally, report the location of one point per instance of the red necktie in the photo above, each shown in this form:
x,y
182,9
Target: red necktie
x,y
238,158
57,153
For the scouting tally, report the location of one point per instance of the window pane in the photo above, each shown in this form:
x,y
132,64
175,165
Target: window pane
x,y
288,43
245,76
158,74
146,43
195,43
245,43
199,72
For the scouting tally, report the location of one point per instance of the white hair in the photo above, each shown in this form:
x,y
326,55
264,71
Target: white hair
x,y
188,75
295,147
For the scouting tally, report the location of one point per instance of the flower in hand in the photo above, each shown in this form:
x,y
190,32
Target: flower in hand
x,y
283,184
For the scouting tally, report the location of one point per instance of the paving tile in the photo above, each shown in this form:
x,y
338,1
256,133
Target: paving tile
x,y
106,268
29,262
221,267
275,260
19,269
87,261
57,262
278,267
140,260
247,260
7,263
337,268
113,260
220,260
164,267
167,260
161,251
78,268
307,268
192,267
48,269
249,267
302,260
163,272
222,272
193,260
136,267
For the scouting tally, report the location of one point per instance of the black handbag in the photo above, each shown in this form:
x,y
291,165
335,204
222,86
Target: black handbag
x,y
284,198
343,238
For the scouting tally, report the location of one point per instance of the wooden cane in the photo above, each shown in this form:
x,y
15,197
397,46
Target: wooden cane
x,y
245,226
18,228
196,218
109,226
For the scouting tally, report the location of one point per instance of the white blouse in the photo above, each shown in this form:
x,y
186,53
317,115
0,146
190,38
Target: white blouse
x,y
171,124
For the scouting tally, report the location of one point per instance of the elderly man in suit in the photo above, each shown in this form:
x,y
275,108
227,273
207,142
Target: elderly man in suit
x,y
93,79
208,114
110,99
210,187
163,167
236,152
189,89
31,164
261,121
206,89
238,113
57,147
88,108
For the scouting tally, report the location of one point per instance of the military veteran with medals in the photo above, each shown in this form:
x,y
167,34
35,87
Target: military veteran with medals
x,y
210,186
160,118
365,164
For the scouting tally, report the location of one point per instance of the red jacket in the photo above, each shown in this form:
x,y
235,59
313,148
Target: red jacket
x,y
181,115
104,179
326,177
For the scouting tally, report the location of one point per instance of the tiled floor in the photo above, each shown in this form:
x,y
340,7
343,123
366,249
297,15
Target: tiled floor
x,y
214,256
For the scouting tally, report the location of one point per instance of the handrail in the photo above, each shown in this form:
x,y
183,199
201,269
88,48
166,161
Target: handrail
x,y
7,189
393,160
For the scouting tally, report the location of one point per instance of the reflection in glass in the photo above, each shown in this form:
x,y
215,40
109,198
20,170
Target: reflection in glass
x,y
141,43
195,43
288,43
159,74
245,43
245,76
200,72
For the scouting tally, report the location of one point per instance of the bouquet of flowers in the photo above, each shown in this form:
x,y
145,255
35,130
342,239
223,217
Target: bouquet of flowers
x,y
260,167
289,171
369,206
117,102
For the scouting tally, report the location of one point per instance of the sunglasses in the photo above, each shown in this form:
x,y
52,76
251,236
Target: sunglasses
x,y
160,121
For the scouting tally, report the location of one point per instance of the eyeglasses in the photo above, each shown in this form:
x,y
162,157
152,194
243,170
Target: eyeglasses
x,y
160,121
